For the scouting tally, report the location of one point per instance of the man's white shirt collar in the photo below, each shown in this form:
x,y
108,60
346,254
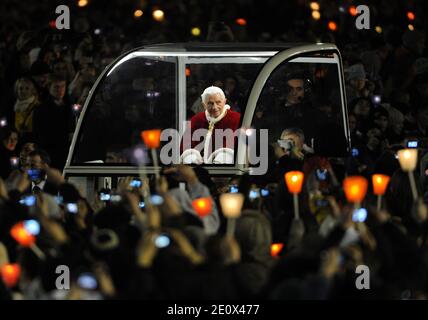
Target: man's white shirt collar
x,y
41,185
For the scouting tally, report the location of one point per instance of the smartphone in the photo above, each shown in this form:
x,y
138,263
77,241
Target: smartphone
x,y
321,174
14,162
76,107
233,189
59,200
71,207
34,174
157,200
32,227
115,198
355,152
359,215
136,183
412,144
104,196
321,203
376,99
162,241
28,201
264,192
254,194
87,281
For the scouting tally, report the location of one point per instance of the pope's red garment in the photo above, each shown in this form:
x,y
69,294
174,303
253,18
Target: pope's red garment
x,y
230,121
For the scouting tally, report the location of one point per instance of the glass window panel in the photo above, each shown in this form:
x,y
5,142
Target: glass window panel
x,y
138,94
306,95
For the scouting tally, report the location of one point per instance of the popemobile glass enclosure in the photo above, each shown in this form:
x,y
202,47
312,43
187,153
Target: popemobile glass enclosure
x,y
160,87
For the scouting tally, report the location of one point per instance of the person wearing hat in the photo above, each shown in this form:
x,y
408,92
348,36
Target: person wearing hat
x,y
217,117
356,78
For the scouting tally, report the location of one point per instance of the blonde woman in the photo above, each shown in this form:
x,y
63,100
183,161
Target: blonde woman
x,y
26,101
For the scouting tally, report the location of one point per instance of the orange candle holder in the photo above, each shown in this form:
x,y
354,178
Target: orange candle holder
x,y
355,188
294,181
202,206
380,183
275,249
10,274
22,236
151,138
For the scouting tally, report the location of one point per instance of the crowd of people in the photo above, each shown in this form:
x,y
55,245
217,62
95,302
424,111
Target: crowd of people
x,y
143,239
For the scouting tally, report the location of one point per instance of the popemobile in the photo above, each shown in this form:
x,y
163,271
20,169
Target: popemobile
x,y
271,87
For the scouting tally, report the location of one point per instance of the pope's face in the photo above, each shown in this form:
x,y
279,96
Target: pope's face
x,y
214,104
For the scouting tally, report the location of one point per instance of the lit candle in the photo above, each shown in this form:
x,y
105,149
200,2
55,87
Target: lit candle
x,y
151,138
241,21
380,183
275,249
26,239
355,188
294,181
408,159
231,206
10,274
202,206
158,15
21,235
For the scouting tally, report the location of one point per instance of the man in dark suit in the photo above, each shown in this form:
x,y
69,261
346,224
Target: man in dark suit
x,y
292,108
39,164
53,123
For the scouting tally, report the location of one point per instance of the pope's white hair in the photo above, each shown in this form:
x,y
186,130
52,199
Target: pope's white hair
x,y
212,91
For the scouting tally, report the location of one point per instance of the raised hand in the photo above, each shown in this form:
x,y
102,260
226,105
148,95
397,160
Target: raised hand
x,y
184,173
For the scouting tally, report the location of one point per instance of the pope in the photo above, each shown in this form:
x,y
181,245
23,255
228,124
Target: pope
x,y
217,116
